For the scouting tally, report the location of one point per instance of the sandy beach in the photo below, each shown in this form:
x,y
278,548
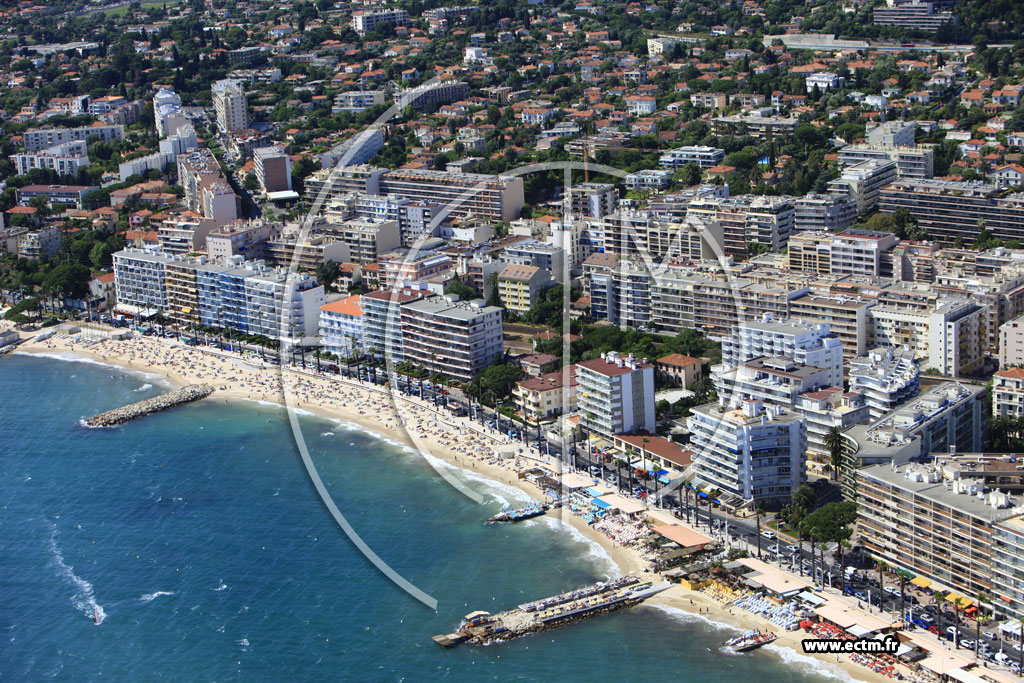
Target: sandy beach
x,y
411,423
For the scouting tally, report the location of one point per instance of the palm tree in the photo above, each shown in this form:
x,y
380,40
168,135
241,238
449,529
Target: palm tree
x,y
843,545
834,444
758,512
881,567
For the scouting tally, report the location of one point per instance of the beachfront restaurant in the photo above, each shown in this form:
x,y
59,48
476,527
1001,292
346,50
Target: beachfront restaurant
x,y
676,542
620,505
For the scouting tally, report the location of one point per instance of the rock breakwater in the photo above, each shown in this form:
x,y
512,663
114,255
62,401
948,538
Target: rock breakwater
x,y
192,392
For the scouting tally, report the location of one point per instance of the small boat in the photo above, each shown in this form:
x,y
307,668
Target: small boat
x,y
520,513
751,640
96,616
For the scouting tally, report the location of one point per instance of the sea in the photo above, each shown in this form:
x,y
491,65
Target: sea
x,y
191,546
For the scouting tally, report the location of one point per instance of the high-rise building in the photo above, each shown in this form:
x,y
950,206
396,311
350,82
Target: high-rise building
x,y
366,21
807,344
887,377
167,111
615,395
207,191
454,338
273,169
830,212
948,209
382,321
341,326
754,453
916,519
862,252
862,182
1008,393
591,200
230,105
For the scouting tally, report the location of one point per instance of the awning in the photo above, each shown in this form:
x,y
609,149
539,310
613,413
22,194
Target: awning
x,y
920,582
1012,626
858,631
594,492
964,676
600,503
954,597
687,538
186,309
812,598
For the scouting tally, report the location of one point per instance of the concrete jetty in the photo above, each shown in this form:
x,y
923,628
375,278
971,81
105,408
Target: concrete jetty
x,y
193,392
482,628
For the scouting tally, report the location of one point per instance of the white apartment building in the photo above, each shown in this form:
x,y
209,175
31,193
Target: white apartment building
x,y
230,105
140,281
358,100
649,179
283,305
887,377
64,159
956,338
705,157
167,111
41,138
911,162
810,344
951,337
591,200
1011,343
615,395
755,453
829,212
860,252
366,21
774,381
341,326
1008,393
864,181
827,408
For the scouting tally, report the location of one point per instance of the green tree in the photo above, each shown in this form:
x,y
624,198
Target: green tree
x,y
327,273
251,183
101,256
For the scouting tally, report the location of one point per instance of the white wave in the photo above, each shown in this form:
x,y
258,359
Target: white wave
x,y
503,493
84,598
244,642
326,433
594,549
685,617
73,357
354,427
808,664
219,588
150,597
791,657
83,423
145,386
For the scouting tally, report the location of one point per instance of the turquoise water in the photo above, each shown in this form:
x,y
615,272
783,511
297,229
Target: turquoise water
x,y
196,539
